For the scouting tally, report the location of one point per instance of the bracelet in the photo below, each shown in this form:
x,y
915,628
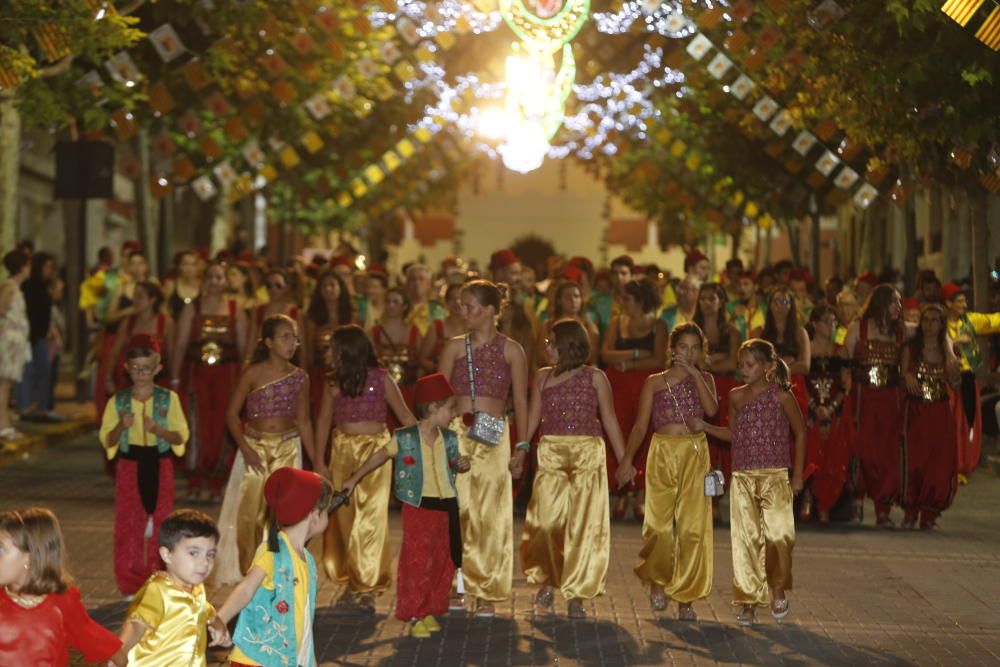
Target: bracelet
x,y
175,382
524,445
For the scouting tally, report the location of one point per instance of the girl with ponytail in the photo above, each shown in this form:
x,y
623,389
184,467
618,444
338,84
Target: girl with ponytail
x,y
762,413
272,395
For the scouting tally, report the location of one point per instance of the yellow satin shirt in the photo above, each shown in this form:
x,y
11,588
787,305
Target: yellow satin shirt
x,y
137,435
177,622
434,461
264,559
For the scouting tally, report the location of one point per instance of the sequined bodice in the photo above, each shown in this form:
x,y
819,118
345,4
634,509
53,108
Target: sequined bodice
x,y
369,406
761,435
933,382
824,379
676,404
570,407
213,337
490,368
277,399
876,362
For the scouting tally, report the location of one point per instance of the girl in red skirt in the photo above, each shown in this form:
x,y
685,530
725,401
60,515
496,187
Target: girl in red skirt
x,y
723,345
929,444
635,347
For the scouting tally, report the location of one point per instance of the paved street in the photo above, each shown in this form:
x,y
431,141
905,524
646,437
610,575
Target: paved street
x,y
862,596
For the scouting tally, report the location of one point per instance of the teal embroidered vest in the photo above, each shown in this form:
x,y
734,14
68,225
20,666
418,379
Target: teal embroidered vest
x,y
161,406
408,483
265,630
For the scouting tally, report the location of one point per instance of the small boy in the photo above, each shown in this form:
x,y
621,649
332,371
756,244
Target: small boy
x,y
427,460
167,622
144,426
282,578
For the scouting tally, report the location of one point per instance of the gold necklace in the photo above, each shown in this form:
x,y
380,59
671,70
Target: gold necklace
x,y
25,602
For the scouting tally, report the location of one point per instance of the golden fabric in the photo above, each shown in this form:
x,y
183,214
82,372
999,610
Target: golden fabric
x,y
243,516
177,622
434,463
566,542
677,534
137,435
264,559
763,532
486,510
356,542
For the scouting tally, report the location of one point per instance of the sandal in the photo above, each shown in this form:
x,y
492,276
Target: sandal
x,y
858,512
883,521
685,612
747,617
576,610
544,598
928,525
909,523
658,601
485,609
779,609
10,433
456,602
366,601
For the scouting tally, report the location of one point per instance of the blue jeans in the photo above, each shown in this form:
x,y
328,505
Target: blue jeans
x,y
36,382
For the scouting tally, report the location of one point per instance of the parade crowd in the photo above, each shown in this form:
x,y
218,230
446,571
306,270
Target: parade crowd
x,y
308,398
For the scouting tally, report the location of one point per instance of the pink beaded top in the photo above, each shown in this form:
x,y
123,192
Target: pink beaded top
x,y
491,370
761,437
277,399
369,406
667,410
570,407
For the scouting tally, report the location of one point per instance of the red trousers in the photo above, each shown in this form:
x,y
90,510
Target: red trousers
x,y
828,454
212,385
930,455
103,359
423,580
137,557
877,443
625,387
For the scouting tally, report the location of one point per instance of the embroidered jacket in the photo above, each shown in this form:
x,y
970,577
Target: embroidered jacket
x,y
408,484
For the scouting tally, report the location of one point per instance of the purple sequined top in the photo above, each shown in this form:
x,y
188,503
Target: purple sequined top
x,y
570,407
491,369
369,406
687,405
761,437
277,399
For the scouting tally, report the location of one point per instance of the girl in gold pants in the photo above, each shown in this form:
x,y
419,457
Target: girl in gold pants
x,y
566,541
762,525
676,556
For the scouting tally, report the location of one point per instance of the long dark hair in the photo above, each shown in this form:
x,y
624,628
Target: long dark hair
x,y
353,356
643,292
720,317
572,343
268,330
789,341
917,344
318,313
877,308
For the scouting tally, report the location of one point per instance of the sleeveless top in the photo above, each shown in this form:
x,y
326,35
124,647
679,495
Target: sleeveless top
x,y
369,406
570,407
824,380
493,377
176,302
933,382
123,303
397,356
761,433
213,337
278,398
674,405
641,343
876,362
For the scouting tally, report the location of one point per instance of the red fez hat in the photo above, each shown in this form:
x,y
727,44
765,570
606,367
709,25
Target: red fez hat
x,y
223,256
131,246
868,277
693,258
748,274
801,274
911,304
502,258
431,388
583,264
572,274
201,252
292,493
341,260
375,267
949,291
144,342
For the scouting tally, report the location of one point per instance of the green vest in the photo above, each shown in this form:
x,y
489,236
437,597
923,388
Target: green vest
x,y
408,483
161,407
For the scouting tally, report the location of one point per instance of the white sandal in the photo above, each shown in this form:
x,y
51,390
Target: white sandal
x,y
10,433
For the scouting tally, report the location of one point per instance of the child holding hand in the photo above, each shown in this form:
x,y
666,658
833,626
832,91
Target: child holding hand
x,y
762,414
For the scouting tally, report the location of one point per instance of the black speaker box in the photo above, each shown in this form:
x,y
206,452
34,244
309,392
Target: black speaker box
x,y
84,169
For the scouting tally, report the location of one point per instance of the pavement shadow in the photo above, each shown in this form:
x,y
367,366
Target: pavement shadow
x,y
338,632
586,642
463,640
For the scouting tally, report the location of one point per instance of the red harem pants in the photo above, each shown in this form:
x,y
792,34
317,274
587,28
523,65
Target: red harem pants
x,y
930,455
965,403
212,384
719,451
423,579
625,388
877,443
137,557
828,453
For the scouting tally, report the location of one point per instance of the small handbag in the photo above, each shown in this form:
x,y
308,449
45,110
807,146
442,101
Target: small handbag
x,y
485,429
715,482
